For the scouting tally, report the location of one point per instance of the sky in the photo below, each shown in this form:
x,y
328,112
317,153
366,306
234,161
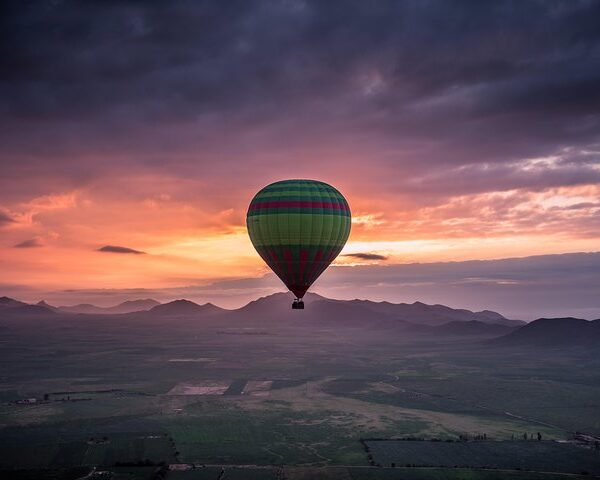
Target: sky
x,y
134,134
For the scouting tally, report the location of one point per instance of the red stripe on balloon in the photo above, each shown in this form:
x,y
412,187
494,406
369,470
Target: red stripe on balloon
x,y
298,204
298,290
287,255
315,265
274,262
303,260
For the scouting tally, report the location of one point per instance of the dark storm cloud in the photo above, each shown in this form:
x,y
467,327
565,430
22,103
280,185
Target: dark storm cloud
x,y
117,249
366,256
31,243
151,62
451,94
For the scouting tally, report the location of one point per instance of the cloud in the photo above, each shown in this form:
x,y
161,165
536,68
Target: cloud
x,y
117,249
5,219
366,256
393,68
31,243
159,86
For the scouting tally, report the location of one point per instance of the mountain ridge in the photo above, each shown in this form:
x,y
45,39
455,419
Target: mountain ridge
x,y
553,332
183,307
127,306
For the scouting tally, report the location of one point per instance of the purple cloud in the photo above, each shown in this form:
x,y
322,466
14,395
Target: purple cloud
x,y
31,243
5,219
366,256
117,249
156,90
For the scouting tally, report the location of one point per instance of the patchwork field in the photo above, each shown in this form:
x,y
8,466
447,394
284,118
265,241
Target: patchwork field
x,y
203,388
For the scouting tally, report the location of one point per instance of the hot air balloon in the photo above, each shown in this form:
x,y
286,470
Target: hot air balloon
x,y
298,227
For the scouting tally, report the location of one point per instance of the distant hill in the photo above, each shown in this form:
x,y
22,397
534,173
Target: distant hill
x,y
344,313
9,307
125,307
424,314
43,303
87,308
417,318
318,309
134,306
276,306
7,302
472,327
278,303
185,308
547,332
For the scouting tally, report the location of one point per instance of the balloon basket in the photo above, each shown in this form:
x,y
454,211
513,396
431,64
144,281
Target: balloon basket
x,y
298,305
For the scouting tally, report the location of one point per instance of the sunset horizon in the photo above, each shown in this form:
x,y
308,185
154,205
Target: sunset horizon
x,y
573,295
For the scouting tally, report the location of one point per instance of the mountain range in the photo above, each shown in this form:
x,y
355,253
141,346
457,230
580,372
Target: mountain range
x,y
415,319
125,307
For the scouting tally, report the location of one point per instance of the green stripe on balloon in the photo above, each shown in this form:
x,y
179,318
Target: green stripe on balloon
x,y
298,229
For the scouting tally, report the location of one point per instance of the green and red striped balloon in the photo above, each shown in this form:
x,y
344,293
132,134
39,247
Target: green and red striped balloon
x,y
298,227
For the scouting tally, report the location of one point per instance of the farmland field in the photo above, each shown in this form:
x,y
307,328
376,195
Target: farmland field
x,y
513,455
302,397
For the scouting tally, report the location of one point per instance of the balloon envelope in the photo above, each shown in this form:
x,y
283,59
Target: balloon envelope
x,y
298,227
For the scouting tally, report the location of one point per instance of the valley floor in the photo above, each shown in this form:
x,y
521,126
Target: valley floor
x,y
323,402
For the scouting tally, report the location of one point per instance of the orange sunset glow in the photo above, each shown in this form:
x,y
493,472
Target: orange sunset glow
x,y
190,241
